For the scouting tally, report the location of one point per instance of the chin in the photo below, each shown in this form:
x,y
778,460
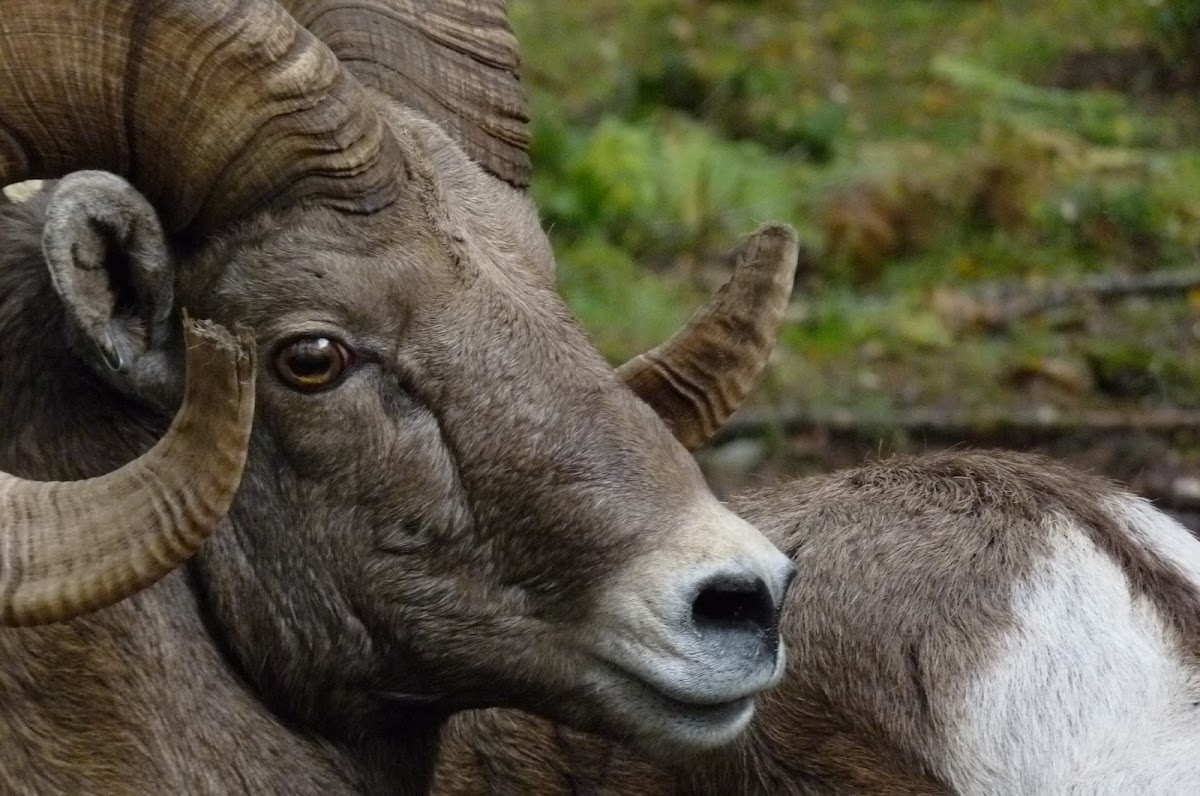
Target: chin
x,y
662,726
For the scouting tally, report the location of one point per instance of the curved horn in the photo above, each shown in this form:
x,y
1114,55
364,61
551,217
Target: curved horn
x,y
696,380
210,108
455,61
70,547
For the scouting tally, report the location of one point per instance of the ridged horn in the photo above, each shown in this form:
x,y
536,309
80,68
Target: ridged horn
x,y
70,547
455,61
696,380
211,108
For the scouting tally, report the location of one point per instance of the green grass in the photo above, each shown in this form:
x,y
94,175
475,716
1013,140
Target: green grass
x,y
666,129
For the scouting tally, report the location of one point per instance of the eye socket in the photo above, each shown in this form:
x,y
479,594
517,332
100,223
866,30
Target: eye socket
x,y
312,364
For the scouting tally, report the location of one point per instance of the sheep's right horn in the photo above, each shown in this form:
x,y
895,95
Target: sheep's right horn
x,y
210,108
70,547
696,380
454,61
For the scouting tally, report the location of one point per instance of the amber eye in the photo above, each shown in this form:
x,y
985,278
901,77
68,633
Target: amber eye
x,y
309,364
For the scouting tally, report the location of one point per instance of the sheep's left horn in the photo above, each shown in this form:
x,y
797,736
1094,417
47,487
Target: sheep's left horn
x,y
696,380
70,547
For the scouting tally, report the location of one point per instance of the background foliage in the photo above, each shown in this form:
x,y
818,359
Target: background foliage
x,y
944,161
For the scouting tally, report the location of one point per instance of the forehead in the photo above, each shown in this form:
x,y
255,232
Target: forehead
x,y
373,273
454,235
345,270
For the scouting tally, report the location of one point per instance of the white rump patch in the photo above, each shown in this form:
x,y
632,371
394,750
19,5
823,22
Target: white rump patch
x,y
1089,693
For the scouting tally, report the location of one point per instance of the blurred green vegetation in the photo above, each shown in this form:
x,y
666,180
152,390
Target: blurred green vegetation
x,y
925,150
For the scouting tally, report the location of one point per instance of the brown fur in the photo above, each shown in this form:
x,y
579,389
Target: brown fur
x,y
906,567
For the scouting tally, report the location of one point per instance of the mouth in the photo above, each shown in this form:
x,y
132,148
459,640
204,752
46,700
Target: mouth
x,y
666,721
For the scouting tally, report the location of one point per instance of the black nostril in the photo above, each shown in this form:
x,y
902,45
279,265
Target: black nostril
x,y
736,604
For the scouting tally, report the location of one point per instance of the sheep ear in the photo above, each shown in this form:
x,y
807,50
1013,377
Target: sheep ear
x,y
108,260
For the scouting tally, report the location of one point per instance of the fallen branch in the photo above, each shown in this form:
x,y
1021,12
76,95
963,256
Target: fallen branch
x,y
979,428
1098,288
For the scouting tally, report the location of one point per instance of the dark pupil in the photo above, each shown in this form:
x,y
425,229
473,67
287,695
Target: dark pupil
x,y
311,359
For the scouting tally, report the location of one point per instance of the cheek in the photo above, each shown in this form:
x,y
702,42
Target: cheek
x,y
417,483
378,455
450,611
319,436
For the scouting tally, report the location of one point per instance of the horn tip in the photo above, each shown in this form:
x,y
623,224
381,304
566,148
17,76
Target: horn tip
x,y
780,237
779,229
239,344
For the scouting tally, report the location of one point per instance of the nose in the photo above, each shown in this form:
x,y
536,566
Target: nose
x,y
699,621
742,608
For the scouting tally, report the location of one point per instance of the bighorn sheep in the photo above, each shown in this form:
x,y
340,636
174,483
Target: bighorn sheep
x,y
425,491
966,623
